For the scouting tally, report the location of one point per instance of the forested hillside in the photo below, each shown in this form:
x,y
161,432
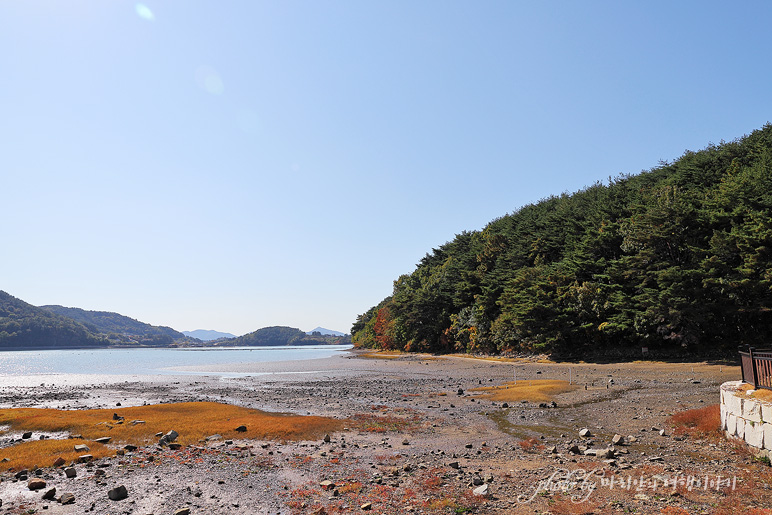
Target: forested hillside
x,y
24,325
280,336
119,327
676,259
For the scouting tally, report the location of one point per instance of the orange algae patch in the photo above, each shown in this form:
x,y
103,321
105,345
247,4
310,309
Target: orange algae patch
x,y
193,421
540,390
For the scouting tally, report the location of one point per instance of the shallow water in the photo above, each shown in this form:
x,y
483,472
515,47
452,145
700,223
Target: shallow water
x,y
157,361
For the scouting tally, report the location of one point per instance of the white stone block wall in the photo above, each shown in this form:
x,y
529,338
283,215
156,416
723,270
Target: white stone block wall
x,y
744,417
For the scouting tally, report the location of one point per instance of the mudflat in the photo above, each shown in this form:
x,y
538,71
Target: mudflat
x,y
419,434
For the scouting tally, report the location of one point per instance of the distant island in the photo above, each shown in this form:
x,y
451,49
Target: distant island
x,y
208,335
24,326
281,336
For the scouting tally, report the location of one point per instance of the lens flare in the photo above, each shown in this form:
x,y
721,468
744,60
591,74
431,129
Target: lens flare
x,y
209,80
144,12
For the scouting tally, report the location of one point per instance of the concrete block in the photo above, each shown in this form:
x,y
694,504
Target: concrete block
x,y
731,424
740,428
767,436
733,404
766,412
752,410
723,417
754,434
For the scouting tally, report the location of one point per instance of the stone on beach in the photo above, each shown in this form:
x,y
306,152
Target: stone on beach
x,y
36,484
67,498
482,491
118,493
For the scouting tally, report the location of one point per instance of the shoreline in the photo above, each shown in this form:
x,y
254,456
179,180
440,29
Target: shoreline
x,y
428,420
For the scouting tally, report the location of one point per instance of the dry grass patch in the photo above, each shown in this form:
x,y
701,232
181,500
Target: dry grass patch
x,y
192,420
540,390
703,422
383,354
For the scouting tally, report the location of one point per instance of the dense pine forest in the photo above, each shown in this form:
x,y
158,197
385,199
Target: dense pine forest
x,y
675,259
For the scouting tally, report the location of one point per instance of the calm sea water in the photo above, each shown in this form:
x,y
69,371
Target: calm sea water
x,y
150,361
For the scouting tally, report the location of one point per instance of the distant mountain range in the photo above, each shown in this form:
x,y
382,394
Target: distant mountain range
x,y
207,335
119,327
23,325
325,332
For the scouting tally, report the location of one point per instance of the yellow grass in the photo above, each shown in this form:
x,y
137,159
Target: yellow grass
x,y
540,390
383,354
762,394
193,421
502,359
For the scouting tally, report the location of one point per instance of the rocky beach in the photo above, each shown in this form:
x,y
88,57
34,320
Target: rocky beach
x,y
421,434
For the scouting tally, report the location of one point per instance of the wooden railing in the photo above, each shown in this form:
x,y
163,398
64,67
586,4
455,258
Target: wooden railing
x,y
756,366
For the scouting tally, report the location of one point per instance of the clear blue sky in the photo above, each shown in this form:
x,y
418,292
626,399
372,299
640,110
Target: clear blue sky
x,y
233,165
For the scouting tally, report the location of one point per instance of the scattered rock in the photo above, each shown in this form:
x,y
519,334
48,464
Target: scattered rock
x,y
118,493
70,472
327,485
169,437
241,429
50,494
85,458
585,433
367,506
327,439
618,440
26,435
182,511
36,484
58,462
103,440
82,448
482,491
67,498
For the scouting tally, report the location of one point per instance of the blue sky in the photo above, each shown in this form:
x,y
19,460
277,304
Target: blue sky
x,y
233,165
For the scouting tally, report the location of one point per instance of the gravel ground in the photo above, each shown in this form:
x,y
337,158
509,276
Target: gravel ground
x,y
434,448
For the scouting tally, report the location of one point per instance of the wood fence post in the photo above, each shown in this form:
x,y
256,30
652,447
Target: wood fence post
x,y
753,368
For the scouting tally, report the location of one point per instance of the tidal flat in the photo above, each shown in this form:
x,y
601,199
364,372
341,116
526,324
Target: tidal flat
x,y
417,434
